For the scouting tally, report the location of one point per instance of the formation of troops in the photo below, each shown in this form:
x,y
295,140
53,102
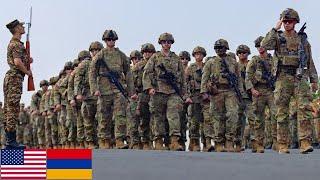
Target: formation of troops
x,y
155,99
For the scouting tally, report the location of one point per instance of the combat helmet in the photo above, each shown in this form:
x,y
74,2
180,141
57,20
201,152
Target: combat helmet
x,y
290,14
135,54
148,47
95,45
166,37
44,83
243,48
109,34
199,49
221,43
83,55
257,42
68,65
185,54
53,80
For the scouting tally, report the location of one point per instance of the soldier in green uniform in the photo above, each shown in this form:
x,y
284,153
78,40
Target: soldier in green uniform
x,y
163,68
225,101
13,81
292,79
23,122
52,115
257,80
109,63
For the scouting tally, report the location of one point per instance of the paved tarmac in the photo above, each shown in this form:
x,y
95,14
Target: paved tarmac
x,y
168,165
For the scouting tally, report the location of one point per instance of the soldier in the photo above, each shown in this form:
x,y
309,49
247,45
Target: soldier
x,y
225,100
293,124
23,122
193,81
82,92
163,71
44,138
147,51
13,81
52,115
132,112
258,77
111,64
27,132
290,80
185,58
2,136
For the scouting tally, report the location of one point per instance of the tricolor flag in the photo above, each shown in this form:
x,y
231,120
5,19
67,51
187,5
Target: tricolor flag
x,y
46,164
23,164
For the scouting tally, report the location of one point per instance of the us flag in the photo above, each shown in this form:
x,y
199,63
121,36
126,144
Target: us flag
x,y
23,164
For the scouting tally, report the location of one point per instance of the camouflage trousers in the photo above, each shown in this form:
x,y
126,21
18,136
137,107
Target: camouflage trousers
x,y
293,122
72,122
208,121
225,107
2,136
133,121
112,107
52,118
41,130
270,127
245,115
260,103
145,122
88,111
62,130
166,107
20,132
288,86
317,128
47,130
77,124
184,123
34,130
12,90
27,136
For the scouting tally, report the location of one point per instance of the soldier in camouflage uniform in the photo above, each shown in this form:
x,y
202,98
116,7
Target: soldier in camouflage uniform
x,y
165,101
224,102
22,124
193,81
111,102
43,135
60,103
142,109
82,92
262,94
290,80
246,109
27,132
293,124
133,116
185,58
316,109
13,81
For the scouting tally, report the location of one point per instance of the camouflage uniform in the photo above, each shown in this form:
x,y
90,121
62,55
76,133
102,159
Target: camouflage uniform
x,y
12,86
224,103
288,84
254,79
165,103
246,108
184,113
2,136
293,124
111,104
22,124
193,83
44,139
89,104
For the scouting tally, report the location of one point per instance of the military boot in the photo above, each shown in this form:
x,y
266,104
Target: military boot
x,y
102,144
294,145
283,148
80,145
229,146
196,145
209,147
238,148
191,144
159,144
305,146
146,146
12,142
275,146
219,147
90,145
260,147
175,146
135,146
55,147
120,144
253,146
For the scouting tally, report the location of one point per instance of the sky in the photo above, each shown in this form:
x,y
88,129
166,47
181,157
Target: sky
x,y
61,29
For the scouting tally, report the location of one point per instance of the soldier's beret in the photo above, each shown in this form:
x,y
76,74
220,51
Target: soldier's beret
x,y
13,24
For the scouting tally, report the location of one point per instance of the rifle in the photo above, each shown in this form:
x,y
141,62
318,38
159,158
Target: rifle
x,y
266,75
302,52
30,78
232,79
113,78
170,79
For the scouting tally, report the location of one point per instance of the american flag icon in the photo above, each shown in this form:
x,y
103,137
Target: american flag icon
x,y
23,164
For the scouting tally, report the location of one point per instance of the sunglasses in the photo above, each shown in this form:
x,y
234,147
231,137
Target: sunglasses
x,y
95,50
242,52
166,42
185,59
110,39
147,51
288,21
218,47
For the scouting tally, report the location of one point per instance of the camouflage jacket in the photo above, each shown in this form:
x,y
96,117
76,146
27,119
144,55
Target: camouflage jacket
x,y
70,87
23,118
16,49
137,73
49,100
286,52
255,70
81,80
118,63
212,73
43,107
242,68
152,73
35,100
60,91
1,117
193,79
